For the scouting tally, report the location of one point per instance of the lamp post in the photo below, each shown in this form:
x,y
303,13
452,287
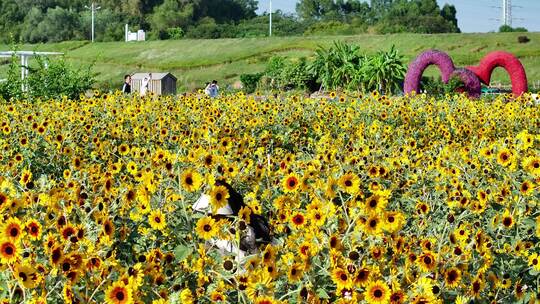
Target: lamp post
x,y
270,31
93,8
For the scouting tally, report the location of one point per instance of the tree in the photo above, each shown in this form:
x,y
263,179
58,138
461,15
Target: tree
x,y
449,13
508,29
171,14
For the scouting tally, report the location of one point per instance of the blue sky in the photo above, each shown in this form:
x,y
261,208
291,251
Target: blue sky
x,y
473,15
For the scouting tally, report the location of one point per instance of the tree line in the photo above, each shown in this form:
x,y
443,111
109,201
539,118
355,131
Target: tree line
x,y
35,21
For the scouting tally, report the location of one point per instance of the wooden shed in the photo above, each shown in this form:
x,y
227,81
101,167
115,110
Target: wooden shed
x,y
160,83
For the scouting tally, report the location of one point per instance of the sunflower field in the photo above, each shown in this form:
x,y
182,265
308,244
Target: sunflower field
x,y
370,199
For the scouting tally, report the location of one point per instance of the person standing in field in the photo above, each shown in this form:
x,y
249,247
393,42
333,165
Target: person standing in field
x,y
126,88
213,89
144,84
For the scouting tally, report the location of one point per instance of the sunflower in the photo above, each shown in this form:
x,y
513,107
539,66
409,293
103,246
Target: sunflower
x,y
426,261
422,208
219,196
298,220
186,296
290,183
132,168
118,293
531,164
504,157
26,275
377,292
108,228
534,261
295,273
191,180
362,277
476,287
157,220
265,300
26,177
9,251
375,204
373,225
206,227
33,229
393,221
12,229
526,188
452,277
397,297
342,279
245,214
507,219
350,183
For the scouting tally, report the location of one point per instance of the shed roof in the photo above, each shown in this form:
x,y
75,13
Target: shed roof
x,y
157,76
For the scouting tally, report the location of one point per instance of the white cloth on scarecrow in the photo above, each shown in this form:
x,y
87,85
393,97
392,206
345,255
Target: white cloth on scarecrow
x,y
225,247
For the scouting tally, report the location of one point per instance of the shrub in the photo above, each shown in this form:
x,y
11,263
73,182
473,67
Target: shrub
x,y
49,79
250,81
523,39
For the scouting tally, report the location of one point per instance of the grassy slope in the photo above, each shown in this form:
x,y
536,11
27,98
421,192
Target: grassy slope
x,y
197,61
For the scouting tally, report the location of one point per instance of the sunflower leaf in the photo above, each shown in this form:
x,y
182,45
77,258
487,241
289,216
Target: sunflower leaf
x,y
181,252
322,294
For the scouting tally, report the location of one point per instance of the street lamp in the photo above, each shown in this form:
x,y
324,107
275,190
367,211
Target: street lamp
x,y
270,31
94,8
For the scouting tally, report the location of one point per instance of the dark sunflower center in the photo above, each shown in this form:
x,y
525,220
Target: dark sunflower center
x,y
378,293
507,221
372,203
348,183
157,219
120,295
23,276
14,232
391,219
189,180
219,196
373,223
9,250
292,183
343,277
34,229
207,228
427,260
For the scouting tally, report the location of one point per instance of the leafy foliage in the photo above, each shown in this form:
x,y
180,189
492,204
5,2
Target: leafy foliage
x,y
250,81
385,71
59,20
48,79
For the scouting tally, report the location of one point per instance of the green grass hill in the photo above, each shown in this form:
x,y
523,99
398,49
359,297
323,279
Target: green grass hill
x,y
196,61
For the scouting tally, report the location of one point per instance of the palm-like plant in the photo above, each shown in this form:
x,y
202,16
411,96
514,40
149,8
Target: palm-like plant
x,y
385,71
338,66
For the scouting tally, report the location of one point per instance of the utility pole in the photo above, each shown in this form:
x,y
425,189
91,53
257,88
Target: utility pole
x,y
270,31
93,8
507,12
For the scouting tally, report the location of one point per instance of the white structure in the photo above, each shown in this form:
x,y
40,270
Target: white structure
x,y
140,35
25,55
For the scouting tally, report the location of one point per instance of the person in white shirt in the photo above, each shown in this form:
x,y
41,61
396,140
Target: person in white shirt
x,y
144,84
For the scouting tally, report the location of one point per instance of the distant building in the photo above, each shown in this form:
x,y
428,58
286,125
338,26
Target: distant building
x,y
160,83
140,35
